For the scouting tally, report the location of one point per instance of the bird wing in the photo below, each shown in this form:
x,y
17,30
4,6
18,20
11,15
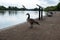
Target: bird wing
x,y
32,20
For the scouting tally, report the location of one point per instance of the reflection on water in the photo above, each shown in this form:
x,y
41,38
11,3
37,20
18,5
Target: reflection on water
x,y
12,12
2,12
9,18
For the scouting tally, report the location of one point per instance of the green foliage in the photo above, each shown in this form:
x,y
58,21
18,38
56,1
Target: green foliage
x,y
36,9
58,7
53,8
2,8
12,8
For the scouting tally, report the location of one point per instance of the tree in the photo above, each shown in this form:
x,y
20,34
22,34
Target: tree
x,y
12,8
36,9
50,8
58,6
2,8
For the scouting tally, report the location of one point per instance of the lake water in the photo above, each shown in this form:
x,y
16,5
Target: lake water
x,y
9,18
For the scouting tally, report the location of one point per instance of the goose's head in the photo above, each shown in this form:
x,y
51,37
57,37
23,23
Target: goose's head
x,y
27,14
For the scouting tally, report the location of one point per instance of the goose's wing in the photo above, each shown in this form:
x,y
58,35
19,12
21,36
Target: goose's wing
x,y
33,21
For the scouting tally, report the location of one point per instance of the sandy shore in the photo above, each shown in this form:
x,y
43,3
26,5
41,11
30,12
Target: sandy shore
x,y
49,29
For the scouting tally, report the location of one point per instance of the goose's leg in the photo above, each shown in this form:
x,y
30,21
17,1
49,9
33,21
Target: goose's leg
x,y
31,25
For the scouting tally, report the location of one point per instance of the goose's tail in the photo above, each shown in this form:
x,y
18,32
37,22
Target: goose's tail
x,y
37,23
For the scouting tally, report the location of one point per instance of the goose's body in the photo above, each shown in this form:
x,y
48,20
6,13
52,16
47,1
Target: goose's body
x,y
31,21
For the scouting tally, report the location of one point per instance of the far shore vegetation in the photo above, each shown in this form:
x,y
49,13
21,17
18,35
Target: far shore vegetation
x,y
50,8
16,8
53,8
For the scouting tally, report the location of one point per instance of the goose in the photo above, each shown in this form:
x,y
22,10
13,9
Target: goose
x,y
31,21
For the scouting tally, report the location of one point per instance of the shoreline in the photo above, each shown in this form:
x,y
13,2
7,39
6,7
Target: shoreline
x,y
19,24
12,26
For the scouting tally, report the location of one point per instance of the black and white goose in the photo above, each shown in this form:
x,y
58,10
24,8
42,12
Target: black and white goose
x,y
31,21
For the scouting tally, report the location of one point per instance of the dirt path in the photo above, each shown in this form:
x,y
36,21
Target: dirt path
x,y
49,29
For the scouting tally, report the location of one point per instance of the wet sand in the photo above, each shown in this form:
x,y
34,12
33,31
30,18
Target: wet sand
x,y
49,29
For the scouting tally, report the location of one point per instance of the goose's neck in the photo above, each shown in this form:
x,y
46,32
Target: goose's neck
x,y
28,17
